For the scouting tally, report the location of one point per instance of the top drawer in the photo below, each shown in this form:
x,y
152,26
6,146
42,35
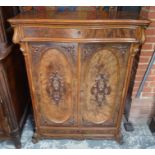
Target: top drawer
x,y
103,33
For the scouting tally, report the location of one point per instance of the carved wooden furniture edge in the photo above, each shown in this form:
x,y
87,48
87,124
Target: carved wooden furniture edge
x,y
135,49
138,22
18,39
16,36
4,52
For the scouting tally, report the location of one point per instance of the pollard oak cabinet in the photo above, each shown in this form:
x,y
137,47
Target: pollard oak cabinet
x,y
79,65
14,96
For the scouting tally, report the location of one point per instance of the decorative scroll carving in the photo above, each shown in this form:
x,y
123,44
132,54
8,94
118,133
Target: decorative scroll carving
x,y
135,49
45,121
16,38
36,48
122,49
100,89
56,87
141,34
98,124
70,49
89,49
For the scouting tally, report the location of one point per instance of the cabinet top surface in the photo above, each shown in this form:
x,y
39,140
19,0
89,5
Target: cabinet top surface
x,y
47,17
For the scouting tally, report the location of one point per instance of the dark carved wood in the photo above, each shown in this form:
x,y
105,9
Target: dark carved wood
x,y
56,87
14,96
79,70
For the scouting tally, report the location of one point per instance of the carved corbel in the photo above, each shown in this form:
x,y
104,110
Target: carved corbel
x,y
142,36
135,49
17,39
16,36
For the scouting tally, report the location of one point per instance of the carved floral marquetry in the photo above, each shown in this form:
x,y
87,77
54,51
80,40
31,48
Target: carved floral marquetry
x,y
56,87
100,89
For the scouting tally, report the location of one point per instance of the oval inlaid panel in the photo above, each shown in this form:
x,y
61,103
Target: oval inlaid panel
x,y
100,83
56,86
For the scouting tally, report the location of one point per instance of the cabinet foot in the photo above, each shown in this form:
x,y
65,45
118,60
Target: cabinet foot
x,y
17,142
18,145
152,125
35,138
119,139
128,126
15,134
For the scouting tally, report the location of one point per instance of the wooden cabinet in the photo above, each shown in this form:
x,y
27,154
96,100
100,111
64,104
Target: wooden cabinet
x,y
14,97
79,67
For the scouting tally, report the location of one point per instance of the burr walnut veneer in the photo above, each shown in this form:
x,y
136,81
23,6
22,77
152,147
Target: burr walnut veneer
x,y
79,65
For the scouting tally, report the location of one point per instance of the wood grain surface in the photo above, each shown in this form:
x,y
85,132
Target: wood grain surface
x,y
79,68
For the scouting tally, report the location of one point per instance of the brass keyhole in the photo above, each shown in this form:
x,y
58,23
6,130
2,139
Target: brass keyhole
x,y
79,32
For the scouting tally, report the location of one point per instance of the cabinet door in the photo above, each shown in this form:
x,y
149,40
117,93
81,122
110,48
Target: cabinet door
x,y
54,68
103,69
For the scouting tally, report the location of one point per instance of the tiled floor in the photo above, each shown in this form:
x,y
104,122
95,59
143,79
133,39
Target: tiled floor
x,y
141,137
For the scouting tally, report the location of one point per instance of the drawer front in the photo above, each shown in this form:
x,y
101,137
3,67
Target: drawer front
x,y
54,81
79,33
